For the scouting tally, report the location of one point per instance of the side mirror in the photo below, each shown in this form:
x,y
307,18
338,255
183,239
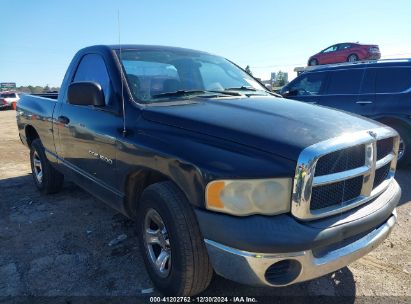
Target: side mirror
x,y
85,94
291,92
285,93
268,87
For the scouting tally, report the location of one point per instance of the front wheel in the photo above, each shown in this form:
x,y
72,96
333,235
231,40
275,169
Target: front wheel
x,y
46,178
174,251
313,62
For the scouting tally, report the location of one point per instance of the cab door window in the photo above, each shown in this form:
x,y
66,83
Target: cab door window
x,y
93,68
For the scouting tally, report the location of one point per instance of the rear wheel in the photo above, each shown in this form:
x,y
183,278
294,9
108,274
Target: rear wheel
x,y
313,62
174,251
352,58
46,178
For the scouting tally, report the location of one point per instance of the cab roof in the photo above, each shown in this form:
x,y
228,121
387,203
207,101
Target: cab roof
x,y
116,47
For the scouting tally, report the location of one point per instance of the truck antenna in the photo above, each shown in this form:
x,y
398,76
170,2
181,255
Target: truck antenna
x,y
121,76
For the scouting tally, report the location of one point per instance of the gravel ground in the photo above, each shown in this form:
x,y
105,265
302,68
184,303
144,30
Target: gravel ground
x,y
58,245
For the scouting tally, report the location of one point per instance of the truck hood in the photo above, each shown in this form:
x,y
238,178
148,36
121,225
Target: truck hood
x,y
279,126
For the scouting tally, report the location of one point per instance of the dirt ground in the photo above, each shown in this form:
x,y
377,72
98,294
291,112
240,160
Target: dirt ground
x,y
58,245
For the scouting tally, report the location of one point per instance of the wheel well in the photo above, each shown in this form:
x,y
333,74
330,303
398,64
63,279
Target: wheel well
x,y
31,134
136,183
392,122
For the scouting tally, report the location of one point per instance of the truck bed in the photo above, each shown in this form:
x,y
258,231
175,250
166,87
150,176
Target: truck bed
x,y
37,111
50,95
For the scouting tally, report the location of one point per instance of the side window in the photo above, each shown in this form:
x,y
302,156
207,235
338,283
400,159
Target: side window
x,y
93,68
345,81
330,49
307,84
344,46
393,79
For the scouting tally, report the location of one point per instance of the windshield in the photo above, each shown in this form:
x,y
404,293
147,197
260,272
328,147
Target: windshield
x,y
165,74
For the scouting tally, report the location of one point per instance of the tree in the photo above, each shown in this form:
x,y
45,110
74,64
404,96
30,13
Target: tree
x,y
37,89
23,89
281,78
248,70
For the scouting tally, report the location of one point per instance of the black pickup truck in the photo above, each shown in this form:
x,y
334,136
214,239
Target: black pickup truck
x,y
219,174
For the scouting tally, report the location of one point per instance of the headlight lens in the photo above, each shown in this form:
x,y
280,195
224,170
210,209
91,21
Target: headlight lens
x,y
249,196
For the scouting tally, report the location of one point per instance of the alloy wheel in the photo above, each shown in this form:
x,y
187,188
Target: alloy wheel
x,y
37,167
157,243
401,149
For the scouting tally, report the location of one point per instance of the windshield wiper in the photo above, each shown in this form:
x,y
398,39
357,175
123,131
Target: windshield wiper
x,y
225,92
178,93
246,88
242,88
189,92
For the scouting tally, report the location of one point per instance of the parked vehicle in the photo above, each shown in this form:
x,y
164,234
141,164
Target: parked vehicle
x,y
7,99
344,52
380,90
219,174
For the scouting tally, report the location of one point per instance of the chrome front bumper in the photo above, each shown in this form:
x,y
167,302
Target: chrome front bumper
x,y
251,268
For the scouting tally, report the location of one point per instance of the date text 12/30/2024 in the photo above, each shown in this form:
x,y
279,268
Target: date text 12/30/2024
x,y
203,300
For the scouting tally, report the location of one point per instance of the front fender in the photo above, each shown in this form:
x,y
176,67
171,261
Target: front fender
x,y
192,160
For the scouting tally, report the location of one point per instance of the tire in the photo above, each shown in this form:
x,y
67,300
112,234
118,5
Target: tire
x,y
51,181
352,58
313,62
188,270
404,154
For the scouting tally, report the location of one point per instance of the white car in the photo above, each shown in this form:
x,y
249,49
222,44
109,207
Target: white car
x,y
7,99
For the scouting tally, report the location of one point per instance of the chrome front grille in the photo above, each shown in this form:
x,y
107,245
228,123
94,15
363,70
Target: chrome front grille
x,y
342,160
344,172
381,175
336,193
384,147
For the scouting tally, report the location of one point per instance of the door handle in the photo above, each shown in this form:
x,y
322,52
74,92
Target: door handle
x,y
64,120
312,102
364,102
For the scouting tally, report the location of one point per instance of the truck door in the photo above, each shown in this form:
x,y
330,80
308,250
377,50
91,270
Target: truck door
x,y
87,133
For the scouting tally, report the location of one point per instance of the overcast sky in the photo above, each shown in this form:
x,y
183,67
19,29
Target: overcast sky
x,y
39,38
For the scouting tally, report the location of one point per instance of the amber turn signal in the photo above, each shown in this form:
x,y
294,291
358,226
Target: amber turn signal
x,y
214,193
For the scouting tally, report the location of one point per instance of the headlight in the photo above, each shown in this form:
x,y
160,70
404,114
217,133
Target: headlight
x,y
249,196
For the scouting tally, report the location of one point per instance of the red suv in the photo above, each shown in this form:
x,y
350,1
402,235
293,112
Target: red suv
x,y
344,52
